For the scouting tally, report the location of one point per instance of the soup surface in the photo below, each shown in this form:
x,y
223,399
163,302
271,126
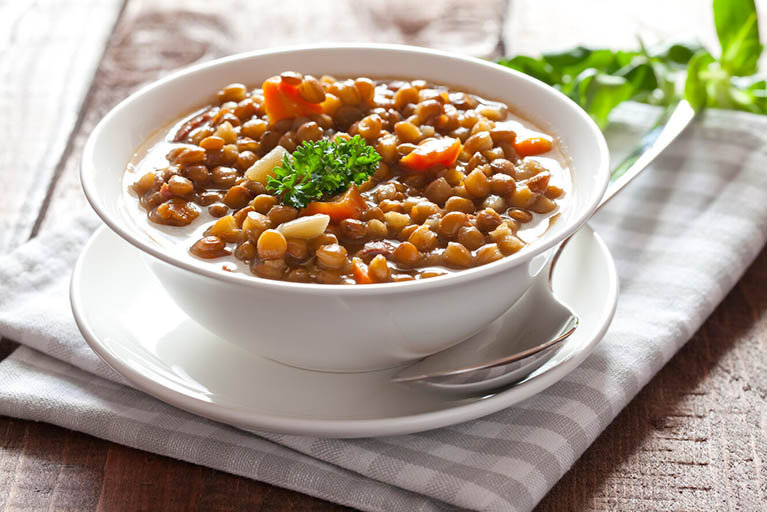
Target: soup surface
x,y
344,181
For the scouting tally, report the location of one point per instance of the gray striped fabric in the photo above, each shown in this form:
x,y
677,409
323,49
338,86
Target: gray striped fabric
x,y
681,236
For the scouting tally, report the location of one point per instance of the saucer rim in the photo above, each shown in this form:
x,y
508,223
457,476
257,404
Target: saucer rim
x,y
466,409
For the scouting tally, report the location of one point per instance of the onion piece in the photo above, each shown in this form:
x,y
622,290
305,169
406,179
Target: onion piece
x,y
306,228
264,167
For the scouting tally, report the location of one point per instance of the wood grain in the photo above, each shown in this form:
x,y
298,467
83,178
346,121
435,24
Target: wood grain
x,y
154,39
693,439
46,65
47,467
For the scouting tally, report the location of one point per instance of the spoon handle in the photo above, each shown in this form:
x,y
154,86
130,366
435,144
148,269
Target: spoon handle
x,y
469,361
668,127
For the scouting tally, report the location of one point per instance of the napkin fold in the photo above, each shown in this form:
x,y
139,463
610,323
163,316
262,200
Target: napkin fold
x,y
681,235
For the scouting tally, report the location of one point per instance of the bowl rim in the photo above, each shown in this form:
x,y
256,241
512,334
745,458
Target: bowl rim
x,y
87,172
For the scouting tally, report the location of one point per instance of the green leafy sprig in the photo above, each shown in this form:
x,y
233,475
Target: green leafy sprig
x,y
321,169
600,79
731,82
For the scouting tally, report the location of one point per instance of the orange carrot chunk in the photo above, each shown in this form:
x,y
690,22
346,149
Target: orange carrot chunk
x,y
282,101
433,152
360,272
532,146
349,206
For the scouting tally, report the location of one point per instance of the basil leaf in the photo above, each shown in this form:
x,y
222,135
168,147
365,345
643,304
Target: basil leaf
x,y
640,74
598,93
757,92
677,53
695,85
738,32
729,92
537,68
600,79
574,62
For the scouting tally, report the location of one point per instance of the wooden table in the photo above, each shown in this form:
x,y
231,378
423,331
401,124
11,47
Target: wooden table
x,y
693,439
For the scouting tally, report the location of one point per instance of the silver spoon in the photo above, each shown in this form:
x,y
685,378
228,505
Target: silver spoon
x,y
481,364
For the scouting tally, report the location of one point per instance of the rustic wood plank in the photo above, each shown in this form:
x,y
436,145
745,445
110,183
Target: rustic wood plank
x,y
153,39
694,438
11,445
47,467
691,440
6,347
170,485
34,479
46,67
139,51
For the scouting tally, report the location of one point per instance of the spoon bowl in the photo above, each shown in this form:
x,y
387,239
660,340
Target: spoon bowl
x,y
481,364
539,321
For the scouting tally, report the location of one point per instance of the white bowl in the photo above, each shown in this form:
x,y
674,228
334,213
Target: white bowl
x,y
336,327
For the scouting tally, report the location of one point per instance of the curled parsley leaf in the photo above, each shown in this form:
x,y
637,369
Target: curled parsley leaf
x,y
321,169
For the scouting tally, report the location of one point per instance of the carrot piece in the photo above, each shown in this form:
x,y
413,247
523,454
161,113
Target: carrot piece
x,y
282,101
350,206
433,152
360,272
532,146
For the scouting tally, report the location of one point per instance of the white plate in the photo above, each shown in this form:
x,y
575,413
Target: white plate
x,y
129,320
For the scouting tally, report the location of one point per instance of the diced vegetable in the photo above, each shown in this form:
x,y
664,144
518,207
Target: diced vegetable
x,y
282,101
433,152
264,167
402,178
532,146
360,272
350,206
306,228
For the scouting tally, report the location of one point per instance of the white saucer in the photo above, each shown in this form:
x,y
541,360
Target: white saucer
x,y
128,319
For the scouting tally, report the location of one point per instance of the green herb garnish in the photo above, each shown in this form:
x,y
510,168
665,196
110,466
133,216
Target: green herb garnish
x,y
600,79
322,169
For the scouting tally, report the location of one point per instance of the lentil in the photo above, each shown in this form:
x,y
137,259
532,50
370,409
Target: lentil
x,y
456,212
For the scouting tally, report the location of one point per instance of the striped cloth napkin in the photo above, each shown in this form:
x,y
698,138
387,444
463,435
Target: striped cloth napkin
x,y
682,235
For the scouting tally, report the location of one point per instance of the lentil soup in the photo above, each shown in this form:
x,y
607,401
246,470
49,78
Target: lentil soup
x,y
344,181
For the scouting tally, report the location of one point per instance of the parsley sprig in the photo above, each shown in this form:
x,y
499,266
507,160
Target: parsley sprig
x,y
322,169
